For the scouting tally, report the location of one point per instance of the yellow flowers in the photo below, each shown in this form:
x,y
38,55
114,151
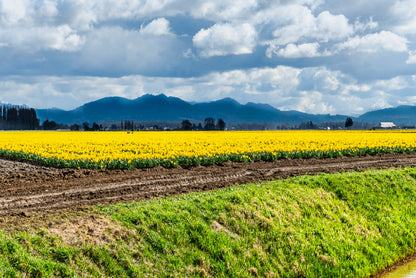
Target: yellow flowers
x,y
102,147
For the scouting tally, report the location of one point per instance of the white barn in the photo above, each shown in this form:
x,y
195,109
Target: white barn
x,y
387,125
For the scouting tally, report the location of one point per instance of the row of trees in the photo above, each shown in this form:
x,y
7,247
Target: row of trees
x,y
327,125
52,125
209,124
18,118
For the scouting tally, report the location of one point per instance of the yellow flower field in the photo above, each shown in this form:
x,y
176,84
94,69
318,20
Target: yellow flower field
x,y
101,148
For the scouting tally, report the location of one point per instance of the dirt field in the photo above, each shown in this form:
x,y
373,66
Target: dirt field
x,y
29,189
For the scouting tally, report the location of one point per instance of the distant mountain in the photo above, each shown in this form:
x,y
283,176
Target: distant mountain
x,y
163,108
401,115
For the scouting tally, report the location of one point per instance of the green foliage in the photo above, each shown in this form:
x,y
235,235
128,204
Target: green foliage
x,y
344,225
186,161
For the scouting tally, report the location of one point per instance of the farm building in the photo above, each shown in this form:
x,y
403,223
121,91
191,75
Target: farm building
x,y
387,125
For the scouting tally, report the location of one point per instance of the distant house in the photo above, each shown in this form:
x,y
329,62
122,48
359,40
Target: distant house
x,y
387,125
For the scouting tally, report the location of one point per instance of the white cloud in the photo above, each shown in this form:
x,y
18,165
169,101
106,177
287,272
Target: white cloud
x,y
13,12
48,8
120,50
372,43
301,32
84,15
225,39
405,13
327,80
295,51
361,27
299,23
279,80
157,27
314,101
65,39
393,84
412,58
62,38
26,13
223,10
332,27
321,79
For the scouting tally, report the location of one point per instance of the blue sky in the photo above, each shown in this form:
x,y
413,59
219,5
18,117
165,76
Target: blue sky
x,y
315,56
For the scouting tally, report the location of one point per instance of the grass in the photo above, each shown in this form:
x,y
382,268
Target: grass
x,y
343,225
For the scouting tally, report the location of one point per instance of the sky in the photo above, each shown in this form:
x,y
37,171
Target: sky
x,y
314,56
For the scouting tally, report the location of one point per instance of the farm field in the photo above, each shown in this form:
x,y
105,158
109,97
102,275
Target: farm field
x,y
329,225
65,236
104,150
90,168
28,188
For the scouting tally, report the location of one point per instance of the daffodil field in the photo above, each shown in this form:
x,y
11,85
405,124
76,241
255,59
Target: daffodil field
x,y
170,149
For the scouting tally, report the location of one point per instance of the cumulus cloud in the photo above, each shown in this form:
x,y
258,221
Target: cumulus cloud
x,y
362,27
313,101
62,38
223,9
393,84
13,12
113,49
30,26
65,39
405,13
157,27
322,79
412,58
329,26
298,32
225,39
295,51
48,8
85,15
304,25
26,13
371,43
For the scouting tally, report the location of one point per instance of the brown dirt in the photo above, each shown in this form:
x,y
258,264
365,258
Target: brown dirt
x,y
27,188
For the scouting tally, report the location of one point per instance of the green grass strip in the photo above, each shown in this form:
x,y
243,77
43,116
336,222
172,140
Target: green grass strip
x,y
173,162
342,225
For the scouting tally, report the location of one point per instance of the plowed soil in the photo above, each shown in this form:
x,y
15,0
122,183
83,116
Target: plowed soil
x,y
27,188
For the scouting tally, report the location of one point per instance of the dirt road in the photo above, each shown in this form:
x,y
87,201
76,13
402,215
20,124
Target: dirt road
x,y
27,188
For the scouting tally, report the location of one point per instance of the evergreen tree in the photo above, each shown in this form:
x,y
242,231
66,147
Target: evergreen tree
x,y
348,122
75,127
95,127
186,125
86,126
209,123
220,124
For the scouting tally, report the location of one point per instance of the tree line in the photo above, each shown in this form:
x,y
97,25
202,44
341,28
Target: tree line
x,y
348,124
52,125
209,124
18,118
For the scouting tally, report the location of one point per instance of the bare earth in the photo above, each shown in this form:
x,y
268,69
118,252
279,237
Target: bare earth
x,y
27,188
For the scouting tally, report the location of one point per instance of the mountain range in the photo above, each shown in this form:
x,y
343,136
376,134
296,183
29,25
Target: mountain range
x,y
163,108
401,115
